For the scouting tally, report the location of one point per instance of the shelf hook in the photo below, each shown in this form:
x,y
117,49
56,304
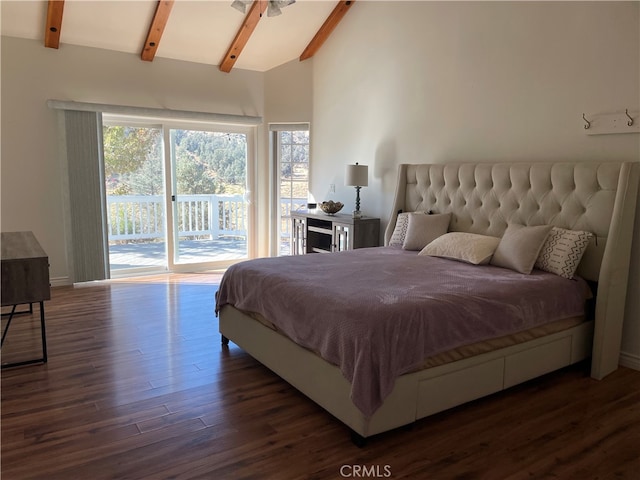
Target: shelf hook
x,y
626,112
588,122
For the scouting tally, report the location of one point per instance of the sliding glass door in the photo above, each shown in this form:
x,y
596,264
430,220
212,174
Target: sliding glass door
x,y
176,195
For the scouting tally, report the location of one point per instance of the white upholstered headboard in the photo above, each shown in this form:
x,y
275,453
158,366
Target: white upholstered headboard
x,y
596,197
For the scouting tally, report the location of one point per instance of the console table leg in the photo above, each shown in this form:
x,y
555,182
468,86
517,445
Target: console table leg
x,y
6,328
44,333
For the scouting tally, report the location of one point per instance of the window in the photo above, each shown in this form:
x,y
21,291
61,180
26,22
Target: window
x,y
291,165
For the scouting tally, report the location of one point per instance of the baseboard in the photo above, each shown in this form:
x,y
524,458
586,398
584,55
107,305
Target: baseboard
x,y
629,360
60,281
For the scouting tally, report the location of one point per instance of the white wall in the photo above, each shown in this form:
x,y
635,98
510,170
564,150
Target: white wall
x,y
32,180
432,82
289,92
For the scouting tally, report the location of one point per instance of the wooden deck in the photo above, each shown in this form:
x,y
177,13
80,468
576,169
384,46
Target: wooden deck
x,y
153,254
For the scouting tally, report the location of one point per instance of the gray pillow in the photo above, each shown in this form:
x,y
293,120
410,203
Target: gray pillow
x,y
423,229
400,230
519,247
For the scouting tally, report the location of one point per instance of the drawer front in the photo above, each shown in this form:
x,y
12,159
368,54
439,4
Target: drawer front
x,y
447,391
25,281
523,366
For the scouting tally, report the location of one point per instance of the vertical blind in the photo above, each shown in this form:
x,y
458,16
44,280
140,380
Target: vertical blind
x,y
83,139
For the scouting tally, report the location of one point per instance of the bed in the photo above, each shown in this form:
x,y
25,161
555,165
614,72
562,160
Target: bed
x,y
480,199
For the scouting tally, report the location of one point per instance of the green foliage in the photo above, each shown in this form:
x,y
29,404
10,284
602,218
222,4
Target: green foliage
x,y
217,160
133,160
126,148
206,162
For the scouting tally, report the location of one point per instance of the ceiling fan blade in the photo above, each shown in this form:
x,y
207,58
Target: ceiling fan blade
x,y
240,5
273,9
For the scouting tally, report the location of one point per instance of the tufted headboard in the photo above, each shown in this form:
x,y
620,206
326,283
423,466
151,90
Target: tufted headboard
x,y
596,197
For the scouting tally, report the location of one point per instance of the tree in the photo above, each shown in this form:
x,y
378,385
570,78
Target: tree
x,y
209,158
126,148
132,160
194,175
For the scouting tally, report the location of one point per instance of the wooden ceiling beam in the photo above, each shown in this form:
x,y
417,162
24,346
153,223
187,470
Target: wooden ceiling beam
x,y
327,27
156,29
244,33
54,23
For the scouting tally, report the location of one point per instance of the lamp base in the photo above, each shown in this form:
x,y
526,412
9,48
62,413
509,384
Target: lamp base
x,y
357,213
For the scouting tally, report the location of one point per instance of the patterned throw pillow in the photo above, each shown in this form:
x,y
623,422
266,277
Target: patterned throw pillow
x,y
400,231
562,251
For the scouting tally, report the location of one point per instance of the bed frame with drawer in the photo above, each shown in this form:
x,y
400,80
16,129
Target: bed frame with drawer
x,y
482,197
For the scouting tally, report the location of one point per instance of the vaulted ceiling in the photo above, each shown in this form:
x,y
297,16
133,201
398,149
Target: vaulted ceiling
x,y
203,31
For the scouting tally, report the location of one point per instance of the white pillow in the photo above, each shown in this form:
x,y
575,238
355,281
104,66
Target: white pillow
x,y
423,229
466,247
562,251
400,230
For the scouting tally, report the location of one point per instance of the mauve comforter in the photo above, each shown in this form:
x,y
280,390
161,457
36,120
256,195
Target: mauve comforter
x,y
380,312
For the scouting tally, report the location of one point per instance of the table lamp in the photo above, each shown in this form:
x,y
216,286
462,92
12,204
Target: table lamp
x,y
357,176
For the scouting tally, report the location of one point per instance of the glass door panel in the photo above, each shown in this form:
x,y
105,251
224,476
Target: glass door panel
x,y
293,181
134,181
210,212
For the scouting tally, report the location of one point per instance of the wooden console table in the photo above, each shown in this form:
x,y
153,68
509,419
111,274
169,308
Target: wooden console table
x,y
317,232
25,280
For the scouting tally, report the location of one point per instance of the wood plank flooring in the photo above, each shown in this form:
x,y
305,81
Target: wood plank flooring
x,y
139,387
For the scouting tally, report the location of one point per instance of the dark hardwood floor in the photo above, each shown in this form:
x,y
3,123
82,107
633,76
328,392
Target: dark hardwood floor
x,y
138,387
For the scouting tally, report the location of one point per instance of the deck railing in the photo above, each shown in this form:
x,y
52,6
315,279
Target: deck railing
x,y
141,217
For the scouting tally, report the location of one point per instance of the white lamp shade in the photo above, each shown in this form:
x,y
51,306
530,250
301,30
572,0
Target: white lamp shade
x,y
357,175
